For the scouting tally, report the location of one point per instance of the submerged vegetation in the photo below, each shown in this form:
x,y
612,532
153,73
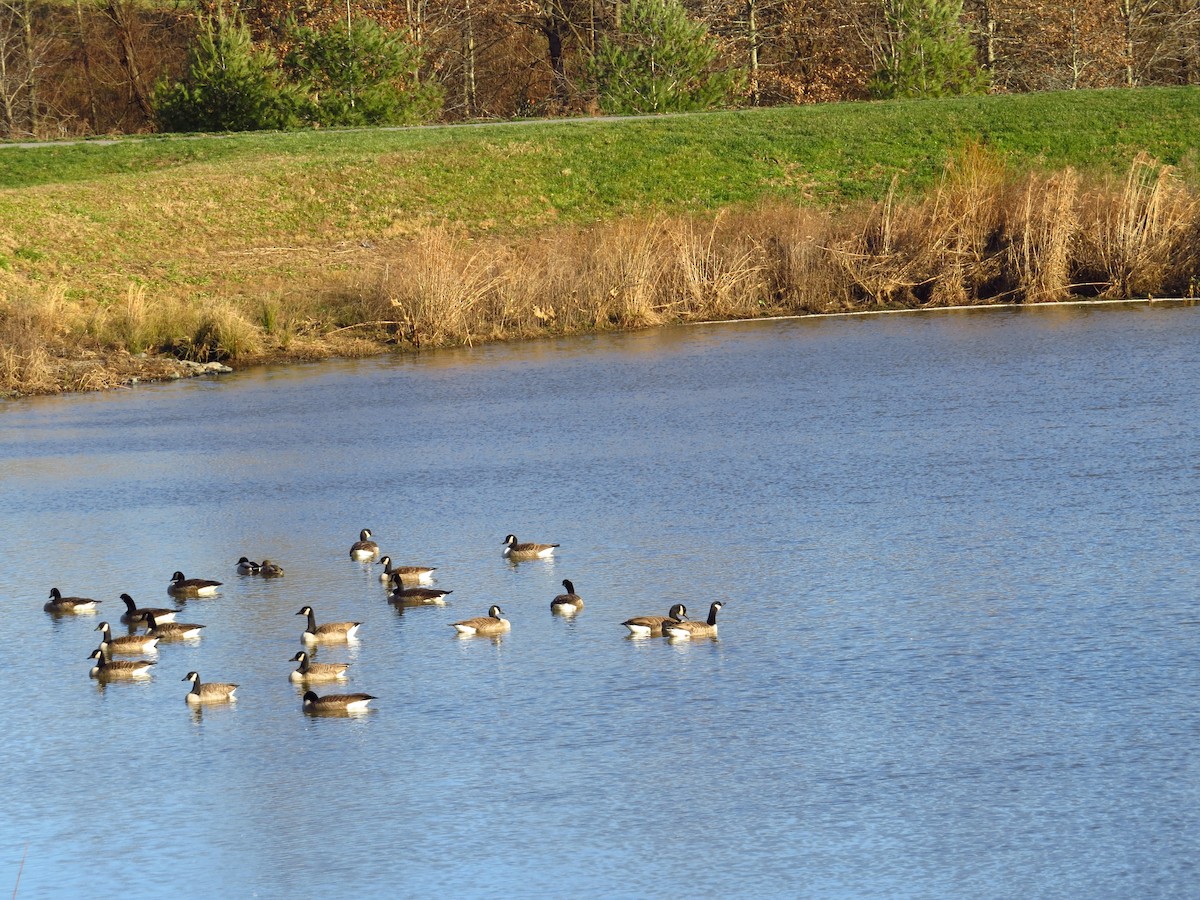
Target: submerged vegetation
x,y
117,260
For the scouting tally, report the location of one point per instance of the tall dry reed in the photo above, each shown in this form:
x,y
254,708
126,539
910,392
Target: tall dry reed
x,y
1143,241
1042,229
610,276
31,328
434,291
620,274
714,271
131,321
893,253
964,219
800,273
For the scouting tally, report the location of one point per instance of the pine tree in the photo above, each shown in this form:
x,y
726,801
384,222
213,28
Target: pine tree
x,y
659,60
926,52
229,85
359,75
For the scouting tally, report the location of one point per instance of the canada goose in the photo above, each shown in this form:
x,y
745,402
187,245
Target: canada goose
x,y
270,569
695,629
211,692
311,671
364,548
567,604
417,596
330,631
652,626
336,703
69,605
106,669
172,631
396,574
247,567
136,615
513,550
191,587
127,643
492,623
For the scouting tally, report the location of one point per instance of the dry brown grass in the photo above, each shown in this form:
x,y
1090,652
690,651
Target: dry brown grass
x,y
800,273
1042,230
716,271
29,329
1143,240
983,235
436,290
943,250
899,254
622,270
962,221
130,321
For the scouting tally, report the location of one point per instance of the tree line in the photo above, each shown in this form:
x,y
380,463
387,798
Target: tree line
x,y
79,67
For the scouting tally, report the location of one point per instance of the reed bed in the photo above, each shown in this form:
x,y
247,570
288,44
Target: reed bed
x,y
1143,240
983,234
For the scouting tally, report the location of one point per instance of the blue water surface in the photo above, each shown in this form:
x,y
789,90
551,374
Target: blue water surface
x,y
957,657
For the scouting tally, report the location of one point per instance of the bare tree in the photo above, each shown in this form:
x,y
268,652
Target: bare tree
x,y
22,57
565,25
83,40
121,18
1159,38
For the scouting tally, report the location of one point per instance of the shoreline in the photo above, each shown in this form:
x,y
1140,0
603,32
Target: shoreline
x,y
1187,301
123,371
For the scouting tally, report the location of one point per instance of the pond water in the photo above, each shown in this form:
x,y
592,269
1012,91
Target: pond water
x,y
957,657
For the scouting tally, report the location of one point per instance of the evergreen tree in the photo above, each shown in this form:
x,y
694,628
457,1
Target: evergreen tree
x,y
229,85
926,52
360,75
659,60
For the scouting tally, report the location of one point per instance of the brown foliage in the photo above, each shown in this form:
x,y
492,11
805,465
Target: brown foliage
x,y
1143,240
1041,231
84,83
94,63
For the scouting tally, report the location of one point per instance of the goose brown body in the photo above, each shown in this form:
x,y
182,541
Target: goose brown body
x,y
191,587
364,548
311,671
336,703
127,643
513,549
70,606
330,631
106,669
652,626
397,574
567,604
138,615
492,623
173,631
208,692
684,630
417,596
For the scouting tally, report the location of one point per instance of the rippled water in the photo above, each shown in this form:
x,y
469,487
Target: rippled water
x,y
957,657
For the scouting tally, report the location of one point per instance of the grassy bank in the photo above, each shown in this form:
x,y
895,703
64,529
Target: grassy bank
x,y
308,244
